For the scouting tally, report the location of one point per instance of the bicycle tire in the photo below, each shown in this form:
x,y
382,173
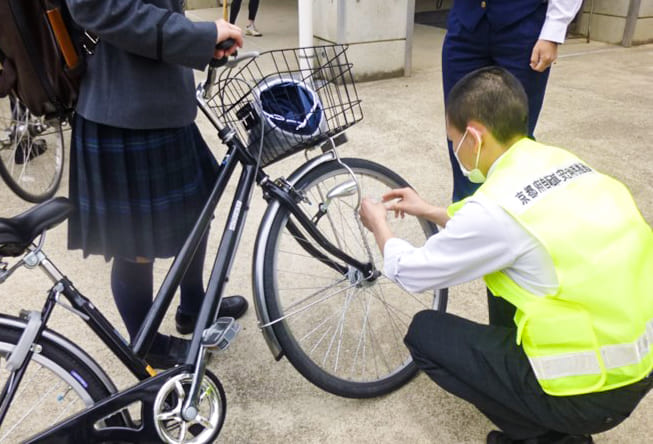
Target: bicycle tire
x,y
290,336
61,371
31,152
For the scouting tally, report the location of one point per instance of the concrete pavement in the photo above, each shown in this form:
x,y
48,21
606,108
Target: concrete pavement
x,y
599,104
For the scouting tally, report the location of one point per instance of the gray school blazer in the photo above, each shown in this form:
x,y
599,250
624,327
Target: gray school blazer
x,y
140,76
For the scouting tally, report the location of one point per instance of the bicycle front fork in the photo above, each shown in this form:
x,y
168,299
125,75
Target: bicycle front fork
x,y
289,198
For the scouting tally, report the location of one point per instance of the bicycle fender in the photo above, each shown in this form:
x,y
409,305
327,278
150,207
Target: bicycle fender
x,y
262,313
17,357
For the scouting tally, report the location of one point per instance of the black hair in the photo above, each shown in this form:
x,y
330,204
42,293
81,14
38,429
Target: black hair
x,y
493,97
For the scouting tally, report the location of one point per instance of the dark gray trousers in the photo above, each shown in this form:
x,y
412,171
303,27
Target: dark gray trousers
x,y
483,365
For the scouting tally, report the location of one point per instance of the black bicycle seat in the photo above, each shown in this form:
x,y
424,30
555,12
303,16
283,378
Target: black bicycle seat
x,y
18,232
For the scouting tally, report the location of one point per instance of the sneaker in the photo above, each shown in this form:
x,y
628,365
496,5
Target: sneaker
x,y
251,30
231,306
175,353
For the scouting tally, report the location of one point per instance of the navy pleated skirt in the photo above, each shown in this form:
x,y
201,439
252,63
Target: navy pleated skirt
x,y
138,193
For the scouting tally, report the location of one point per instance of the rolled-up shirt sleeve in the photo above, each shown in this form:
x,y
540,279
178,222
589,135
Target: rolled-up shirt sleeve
x,y
559,14
474,243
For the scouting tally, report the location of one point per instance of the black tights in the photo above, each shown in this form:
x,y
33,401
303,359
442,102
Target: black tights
x,y
235,9
131,284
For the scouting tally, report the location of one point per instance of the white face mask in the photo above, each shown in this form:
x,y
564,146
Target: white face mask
x,y
475,175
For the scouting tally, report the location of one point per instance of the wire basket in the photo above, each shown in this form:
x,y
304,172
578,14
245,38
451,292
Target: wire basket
x,y
287,100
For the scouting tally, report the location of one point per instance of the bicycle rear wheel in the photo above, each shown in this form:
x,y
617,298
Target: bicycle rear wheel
x,y
56,385
340,331
31,151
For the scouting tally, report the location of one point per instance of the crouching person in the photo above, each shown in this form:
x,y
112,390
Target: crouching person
x,y
567,257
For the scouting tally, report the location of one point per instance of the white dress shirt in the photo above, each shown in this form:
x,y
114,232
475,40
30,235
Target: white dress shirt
x,y
479,239
559,13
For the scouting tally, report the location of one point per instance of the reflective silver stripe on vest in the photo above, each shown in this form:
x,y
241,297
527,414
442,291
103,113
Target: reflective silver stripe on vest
x,y
587,363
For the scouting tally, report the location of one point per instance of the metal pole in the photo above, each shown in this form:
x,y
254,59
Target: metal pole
x,y
631,22
305,13
410,28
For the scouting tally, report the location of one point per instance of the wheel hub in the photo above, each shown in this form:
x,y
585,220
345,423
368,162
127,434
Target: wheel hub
x,y
168,411
358,279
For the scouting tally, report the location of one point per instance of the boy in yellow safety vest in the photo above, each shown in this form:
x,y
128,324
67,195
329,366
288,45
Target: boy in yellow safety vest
x,y
568,259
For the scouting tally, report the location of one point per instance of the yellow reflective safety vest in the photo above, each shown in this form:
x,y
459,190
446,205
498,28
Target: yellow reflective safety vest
x,y
596,332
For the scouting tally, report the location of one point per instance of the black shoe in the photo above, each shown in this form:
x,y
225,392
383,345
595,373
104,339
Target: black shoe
x,y
175,353
26,151
231,306
496,437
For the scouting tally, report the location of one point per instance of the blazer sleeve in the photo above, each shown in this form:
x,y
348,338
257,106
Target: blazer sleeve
x,y
148,30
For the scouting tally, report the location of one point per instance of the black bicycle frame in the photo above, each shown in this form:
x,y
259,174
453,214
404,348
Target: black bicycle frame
x,y
80,427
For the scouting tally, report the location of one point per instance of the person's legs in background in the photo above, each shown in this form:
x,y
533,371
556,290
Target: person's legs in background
x,y
500,312
463,51
512,48
250,29
234,10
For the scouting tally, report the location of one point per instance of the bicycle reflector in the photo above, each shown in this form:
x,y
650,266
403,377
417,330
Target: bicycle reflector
x,y
291,114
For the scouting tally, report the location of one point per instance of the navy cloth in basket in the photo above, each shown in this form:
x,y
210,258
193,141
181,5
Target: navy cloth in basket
x,y
292,107
292,116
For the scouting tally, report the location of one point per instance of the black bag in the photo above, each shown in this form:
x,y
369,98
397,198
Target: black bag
x,y
41,55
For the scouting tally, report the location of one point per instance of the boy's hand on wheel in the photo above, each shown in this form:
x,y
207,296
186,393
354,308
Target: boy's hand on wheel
x,y
406,201
372,214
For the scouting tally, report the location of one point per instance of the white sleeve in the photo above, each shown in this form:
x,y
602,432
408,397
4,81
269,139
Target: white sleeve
x,y
559,14
474,243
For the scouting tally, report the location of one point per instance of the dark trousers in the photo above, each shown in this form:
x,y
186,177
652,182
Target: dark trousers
x,y
235,9
466,50
483,365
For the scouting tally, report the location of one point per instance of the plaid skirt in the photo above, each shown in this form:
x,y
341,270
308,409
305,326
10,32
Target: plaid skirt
x,y
137,192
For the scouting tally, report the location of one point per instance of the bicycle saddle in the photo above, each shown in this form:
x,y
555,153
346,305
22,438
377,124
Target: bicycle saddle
x,y
18,232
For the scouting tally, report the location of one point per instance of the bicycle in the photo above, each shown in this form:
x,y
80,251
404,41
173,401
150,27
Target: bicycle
x,y
31,150
319,296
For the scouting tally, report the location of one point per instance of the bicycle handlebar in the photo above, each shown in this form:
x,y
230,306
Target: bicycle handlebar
x,y
228,62
225,46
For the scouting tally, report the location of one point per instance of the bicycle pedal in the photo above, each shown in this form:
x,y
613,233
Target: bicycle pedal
x,y
221,334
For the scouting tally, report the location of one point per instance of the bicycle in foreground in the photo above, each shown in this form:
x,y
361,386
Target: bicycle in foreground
x,y
319,294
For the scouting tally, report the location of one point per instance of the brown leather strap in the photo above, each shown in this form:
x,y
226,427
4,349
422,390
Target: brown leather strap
x,y
63,38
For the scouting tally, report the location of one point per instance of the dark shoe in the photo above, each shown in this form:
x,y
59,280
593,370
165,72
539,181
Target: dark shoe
x,y
27,151
496,437
175,353
231,306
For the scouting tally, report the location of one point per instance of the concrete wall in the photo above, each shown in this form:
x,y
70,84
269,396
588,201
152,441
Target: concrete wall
x,y
376,32
607,21
644,28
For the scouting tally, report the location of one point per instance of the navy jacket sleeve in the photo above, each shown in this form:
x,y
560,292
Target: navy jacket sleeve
x,y
158,31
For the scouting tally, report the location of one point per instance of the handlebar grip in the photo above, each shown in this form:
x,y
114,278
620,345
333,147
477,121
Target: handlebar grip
x,y
224,45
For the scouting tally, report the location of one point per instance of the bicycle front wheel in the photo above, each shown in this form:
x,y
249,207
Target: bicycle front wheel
x,y
341,331
57,384
31,151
